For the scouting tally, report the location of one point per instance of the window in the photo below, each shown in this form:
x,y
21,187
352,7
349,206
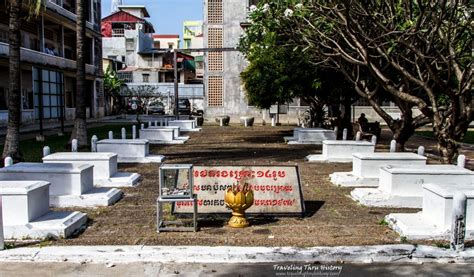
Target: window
x,y
130,44
170,45
48,93
127,77
3,98
146,78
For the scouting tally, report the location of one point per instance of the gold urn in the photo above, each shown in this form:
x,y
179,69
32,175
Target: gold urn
x,y
238,199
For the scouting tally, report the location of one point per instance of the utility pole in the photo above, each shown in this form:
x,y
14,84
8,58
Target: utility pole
x,y
175,52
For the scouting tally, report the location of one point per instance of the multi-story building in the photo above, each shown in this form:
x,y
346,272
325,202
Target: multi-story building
x,y
48,62
164,41
193,38
128,37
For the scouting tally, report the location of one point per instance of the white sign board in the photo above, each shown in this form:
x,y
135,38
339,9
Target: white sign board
x,y
277,189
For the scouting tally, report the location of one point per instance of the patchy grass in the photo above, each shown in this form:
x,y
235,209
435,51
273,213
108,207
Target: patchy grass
x,y
468,138
33,150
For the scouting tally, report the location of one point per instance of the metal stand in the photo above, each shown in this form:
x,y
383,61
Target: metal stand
x,y
162,224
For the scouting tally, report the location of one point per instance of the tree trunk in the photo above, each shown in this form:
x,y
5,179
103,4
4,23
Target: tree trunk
x,y
12,140
80,125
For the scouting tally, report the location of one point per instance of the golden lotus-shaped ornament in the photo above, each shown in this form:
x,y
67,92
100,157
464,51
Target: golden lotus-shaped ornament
x,y
238,200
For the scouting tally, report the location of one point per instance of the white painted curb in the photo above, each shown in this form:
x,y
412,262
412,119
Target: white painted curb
x,y
402,253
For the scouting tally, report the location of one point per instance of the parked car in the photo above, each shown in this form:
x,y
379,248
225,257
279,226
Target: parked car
x,y
156,108
184,106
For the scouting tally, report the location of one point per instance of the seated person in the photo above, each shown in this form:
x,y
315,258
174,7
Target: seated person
x,y
363,121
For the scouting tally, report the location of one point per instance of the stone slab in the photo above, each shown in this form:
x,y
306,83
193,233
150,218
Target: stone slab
x,y
402,186
96,197
65,179
125,148
162,135
185,125
340,151
130,150
105,164
311,136
366,168
407,180
120,179
52,224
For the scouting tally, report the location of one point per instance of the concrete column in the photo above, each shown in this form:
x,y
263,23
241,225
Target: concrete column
x,y
74,145
94,140
458,227
142,126
134,132
273,121
336,131
393,146
46,151
421,150
462,161
374,140
111,135
8,162
124,133
344,134
358,136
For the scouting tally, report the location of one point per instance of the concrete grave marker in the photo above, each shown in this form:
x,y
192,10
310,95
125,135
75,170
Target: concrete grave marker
x,y
111,135
185,125
443,204
310,136
105,167
340,151
344,134
402,185
26,212
134,132
142,126
374,140
130,150
366,168
277,189
71,184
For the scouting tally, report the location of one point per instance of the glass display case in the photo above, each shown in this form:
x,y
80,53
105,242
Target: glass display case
x,y
176,181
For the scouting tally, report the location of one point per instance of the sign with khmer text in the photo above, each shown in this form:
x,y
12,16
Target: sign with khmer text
x,y
277,189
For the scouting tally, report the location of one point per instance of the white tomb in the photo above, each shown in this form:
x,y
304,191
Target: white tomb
x,y
185,125
72,185
26,212
163,135
105,167
366,168
340,151
310,136
129,150
401,186
434,221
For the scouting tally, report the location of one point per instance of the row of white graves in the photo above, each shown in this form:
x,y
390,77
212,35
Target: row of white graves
x,y
128,150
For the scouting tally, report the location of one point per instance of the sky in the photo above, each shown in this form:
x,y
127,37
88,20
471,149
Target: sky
x,y
167,16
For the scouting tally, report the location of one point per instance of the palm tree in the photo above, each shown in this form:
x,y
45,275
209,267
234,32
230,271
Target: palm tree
x,y
80,125
12,140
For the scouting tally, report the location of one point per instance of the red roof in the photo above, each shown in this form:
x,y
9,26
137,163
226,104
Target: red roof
x,y
165,36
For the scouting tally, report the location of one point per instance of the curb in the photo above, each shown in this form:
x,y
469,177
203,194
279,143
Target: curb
x,y
400,253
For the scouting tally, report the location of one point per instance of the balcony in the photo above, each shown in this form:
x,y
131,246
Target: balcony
x,y
55,5
43,59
